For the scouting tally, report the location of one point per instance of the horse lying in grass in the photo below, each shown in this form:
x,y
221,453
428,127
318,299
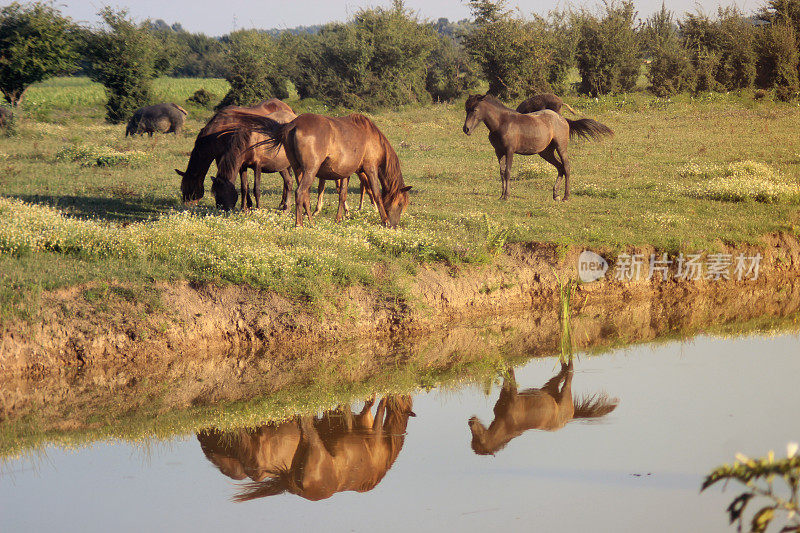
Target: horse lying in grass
x,y
214,141
314,457
545,133
549,408
330,148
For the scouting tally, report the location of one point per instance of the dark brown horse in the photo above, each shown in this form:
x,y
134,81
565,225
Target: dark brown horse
x,y
214,141
549,408
314,457
545,133
334,148
543,101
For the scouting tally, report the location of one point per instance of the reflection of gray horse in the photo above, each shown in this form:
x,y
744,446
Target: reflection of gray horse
x,y
164,118
548,408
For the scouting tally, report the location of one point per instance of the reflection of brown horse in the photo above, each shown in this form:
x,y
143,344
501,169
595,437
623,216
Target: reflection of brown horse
x,y
214,141
548,408
314,457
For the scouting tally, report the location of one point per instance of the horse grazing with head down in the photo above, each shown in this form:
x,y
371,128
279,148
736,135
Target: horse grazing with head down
x,y
214,141
549,408
545,133
334,148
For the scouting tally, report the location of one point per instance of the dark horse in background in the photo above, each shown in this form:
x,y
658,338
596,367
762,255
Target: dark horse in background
x,y
549,408
334,148
545,133
214,141
543,101
314,457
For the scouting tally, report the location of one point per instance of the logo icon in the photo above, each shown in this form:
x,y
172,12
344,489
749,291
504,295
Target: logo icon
x,y
591,267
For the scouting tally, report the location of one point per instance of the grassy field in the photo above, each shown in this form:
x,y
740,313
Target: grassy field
x,y
80,202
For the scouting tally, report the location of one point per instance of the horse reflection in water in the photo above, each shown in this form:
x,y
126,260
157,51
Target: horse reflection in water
x,y
548,408
313,457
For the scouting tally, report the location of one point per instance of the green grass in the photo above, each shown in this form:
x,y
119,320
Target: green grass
x,y
112,201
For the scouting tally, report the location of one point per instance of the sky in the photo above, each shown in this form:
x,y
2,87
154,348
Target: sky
x,y
208,17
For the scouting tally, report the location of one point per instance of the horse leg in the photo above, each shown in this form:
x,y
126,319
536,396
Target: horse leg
x,y
565,169
366,189
320,192
548,154
257,185
247,202
302,197
287,186
505,159
342,186
375,185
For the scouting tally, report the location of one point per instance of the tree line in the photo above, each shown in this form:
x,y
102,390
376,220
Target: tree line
x,y
386,57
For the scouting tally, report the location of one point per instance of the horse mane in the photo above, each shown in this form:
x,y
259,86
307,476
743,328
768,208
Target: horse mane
x,y
475,99
391,163
244,124
594,405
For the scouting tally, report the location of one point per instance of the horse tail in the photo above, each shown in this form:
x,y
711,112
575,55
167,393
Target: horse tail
x,y
594,406
179,108
588,128
261,489
570,109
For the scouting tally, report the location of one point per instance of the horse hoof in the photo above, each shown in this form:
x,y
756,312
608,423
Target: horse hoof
x,y
565,199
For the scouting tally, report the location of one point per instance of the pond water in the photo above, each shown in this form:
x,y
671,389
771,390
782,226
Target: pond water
x,y
682,408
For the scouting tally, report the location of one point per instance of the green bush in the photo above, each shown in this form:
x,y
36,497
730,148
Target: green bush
x,y
778,60
376,60
671,70
451,72
254,69
607,51
122,59
202,98
511,51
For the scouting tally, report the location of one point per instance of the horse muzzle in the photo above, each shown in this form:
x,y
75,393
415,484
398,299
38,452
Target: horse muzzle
x,y
467,130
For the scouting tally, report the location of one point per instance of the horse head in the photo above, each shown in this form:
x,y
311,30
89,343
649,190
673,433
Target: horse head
x,y
395,205
224,193
474,112
192,190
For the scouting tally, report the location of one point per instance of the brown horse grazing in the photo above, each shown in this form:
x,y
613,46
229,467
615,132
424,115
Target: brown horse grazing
x,y
544,132
548,408
214,141
321,147
543,101
314,457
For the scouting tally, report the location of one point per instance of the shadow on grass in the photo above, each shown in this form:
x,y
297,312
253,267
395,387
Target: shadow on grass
x,y
122,209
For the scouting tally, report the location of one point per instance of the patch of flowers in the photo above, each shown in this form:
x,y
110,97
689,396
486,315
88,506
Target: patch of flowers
x,y
739,181
102,156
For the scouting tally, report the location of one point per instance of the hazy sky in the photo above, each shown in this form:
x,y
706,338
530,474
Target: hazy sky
x,y
220,17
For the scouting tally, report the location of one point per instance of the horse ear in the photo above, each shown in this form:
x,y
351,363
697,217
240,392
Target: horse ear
x,y
179,173
406,189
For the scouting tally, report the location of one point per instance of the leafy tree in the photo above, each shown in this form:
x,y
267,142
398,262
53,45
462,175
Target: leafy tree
x,y
451,72
122,58
671,70
608,51
778,60
509,50
254,68
203,58
36,42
